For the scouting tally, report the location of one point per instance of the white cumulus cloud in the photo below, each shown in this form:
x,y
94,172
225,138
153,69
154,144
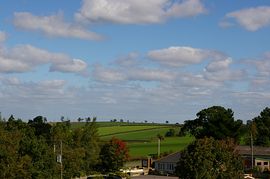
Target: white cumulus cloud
x,y
178,56
101,73
53,25
24,58
252,19
118,74
219,70
143,74
137,12
219,65
74,65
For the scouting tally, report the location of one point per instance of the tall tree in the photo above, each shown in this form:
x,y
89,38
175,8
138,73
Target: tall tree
x,y
209,158
9,145
36,145
113,155
216,122
90,142
22,153
262,126
41,127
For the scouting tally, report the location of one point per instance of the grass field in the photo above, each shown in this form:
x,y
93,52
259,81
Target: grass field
x,y
131,133
142,139
169,144
118,130
110,124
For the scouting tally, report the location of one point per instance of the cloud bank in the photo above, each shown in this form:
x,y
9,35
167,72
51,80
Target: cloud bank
x,y
53,25
252,19
25,58
137,12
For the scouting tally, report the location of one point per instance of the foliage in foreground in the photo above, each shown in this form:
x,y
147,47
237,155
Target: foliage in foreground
x,y
29,150
113,155
209,158
260,126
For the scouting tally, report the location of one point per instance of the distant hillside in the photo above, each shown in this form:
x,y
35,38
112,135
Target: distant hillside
x,y
141,138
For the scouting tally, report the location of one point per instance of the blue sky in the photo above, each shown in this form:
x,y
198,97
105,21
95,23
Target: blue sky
x,y
153,60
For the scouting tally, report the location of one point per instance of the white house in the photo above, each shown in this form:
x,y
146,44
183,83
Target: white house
x,y
166,165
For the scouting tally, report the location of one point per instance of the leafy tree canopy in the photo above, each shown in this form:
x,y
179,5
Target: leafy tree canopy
x,y
113,155
29,150
209,158
261,126
216,122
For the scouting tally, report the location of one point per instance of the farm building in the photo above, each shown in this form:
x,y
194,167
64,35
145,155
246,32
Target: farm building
x,y
166,165
261,156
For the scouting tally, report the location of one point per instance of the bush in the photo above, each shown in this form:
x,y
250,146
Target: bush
x,y
170,133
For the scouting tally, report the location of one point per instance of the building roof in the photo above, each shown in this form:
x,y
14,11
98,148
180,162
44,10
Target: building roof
x,y
257,150
172,158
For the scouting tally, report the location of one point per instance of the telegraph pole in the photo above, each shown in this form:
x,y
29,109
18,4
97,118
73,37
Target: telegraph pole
x,y
251,141
59,157
61,162
158,147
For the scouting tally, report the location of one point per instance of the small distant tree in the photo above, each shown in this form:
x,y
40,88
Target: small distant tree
x,y
88,119
80,119
170,133
167,122
11,118
121,120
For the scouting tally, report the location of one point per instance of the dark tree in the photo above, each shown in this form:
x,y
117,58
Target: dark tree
x,y
80,119
216,122
41,127
262,128
209,158
170,133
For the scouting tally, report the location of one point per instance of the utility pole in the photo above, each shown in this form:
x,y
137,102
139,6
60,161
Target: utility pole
x,y
61,161
251,141
59,157
158,147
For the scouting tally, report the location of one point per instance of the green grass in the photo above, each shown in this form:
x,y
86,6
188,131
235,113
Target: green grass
x,y
170,144
110,124
141,138
117,130
129,133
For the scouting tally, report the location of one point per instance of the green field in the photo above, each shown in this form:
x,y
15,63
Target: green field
x,y
131,133
142,139
124,130
169,144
